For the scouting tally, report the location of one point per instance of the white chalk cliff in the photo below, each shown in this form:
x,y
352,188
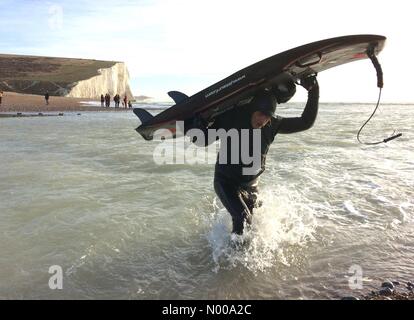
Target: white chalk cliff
x,y
111,80
79,78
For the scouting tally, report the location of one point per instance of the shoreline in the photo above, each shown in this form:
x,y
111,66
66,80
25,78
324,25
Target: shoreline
x,y
28,103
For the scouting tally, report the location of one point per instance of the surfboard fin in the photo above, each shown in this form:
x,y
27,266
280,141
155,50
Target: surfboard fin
x,y
177,96
143,115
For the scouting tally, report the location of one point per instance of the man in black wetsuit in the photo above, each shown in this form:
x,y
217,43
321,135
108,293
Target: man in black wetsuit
x,y
237,190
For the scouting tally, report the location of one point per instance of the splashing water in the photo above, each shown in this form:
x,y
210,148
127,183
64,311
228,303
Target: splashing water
x,y
281,221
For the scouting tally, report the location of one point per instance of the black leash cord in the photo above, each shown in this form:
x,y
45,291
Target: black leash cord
x,y
380,84
378,142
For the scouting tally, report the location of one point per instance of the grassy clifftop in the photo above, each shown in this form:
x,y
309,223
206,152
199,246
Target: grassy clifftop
x,y
63,70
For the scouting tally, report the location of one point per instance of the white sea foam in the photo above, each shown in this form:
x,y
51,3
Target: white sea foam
x,y
283,220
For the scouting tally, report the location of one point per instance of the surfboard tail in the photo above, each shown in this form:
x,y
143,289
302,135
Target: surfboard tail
x,y
144,116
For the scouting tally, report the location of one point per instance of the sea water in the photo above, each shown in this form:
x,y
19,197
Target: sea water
x,y
83,193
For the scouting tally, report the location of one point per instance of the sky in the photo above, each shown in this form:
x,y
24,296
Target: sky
x,y
187,45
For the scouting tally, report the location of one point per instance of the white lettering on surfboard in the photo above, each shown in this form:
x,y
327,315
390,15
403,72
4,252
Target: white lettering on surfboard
x,y
224,86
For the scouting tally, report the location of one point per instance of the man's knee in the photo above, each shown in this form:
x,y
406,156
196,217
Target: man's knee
x,y
232,199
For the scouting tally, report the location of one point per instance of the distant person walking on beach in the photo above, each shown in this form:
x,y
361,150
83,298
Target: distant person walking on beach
x,y
47,97
117,100
1,96
129,104
125,102
102,100
107,100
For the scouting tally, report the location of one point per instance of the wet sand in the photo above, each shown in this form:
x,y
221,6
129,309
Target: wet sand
x,y
16,102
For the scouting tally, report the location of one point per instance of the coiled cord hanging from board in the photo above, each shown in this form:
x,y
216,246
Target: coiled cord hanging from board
x,y
380,84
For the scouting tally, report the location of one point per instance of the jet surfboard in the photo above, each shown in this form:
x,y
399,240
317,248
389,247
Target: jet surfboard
x,y
292,64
